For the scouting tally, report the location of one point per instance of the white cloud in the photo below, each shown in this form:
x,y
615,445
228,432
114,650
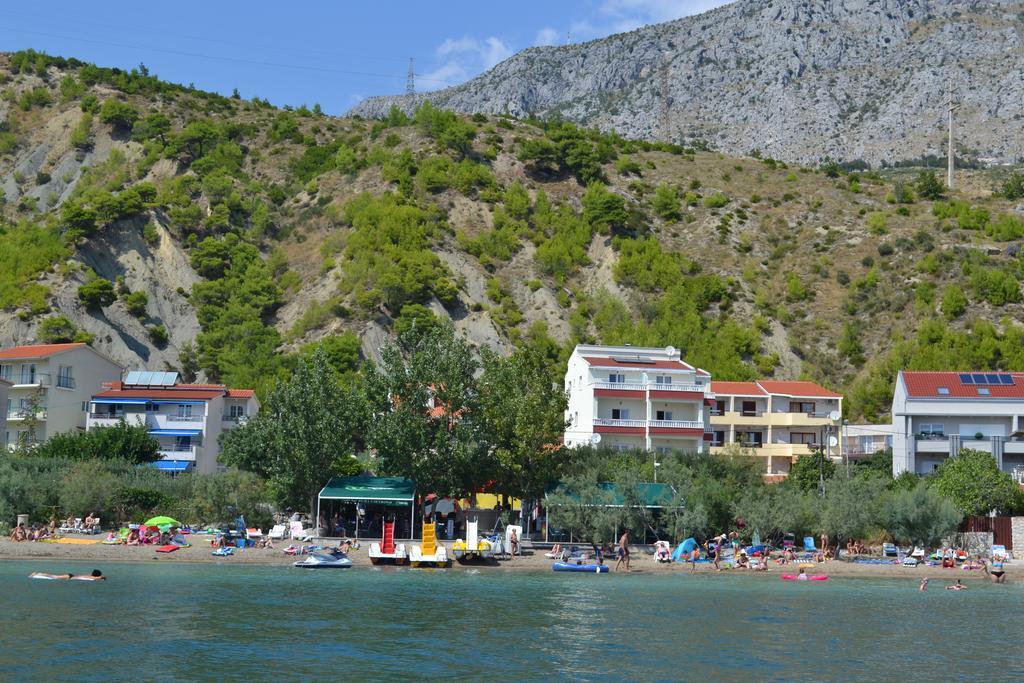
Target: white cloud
x,y
460,59
617,16
546,36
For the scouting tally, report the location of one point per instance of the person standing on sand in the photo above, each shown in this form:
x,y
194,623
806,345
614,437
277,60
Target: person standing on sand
x,y
623,550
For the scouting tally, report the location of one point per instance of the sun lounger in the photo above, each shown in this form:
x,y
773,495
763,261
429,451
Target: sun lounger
x,y
809,543
999,551
278,532
300,534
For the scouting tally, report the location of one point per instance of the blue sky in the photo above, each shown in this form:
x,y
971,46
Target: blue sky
x,y
334,53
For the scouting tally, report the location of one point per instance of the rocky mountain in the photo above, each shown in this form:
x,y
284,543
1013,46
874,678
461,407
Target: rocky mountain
x,y
178,229
799,80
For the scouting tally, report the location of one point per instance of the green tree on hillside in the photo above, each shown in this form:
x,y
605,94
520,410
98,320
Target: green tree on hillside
x,y
929,186
666,203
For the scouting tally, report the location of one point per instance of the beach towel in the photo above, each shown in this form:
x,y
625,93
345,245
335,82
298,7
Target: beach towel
x,y
70,541
169,548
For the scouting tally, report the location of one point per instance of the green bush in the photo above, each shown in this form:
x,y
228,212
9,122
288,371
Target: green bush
x,y
604,210
97,293
929,186
81,135
716,200
119,114
666,203
954,302
136,303
36,97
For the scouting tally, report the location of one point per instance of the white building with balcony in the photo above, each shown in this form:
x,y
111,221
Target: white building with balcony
x,y
778,420
186,419
51,385
630,397
864,440
935,414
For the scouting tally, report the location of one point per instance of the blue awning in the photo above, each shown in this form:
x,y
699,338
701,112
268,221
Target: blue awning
x,y
172,465
175,432
121,401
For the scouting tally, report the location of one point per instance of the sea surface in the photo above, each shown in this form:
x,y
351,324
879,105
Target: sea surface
x,y
221,622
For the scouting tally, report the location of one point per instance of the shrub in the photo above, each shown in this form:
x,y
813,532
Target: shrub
x,y
136,303
928,186
97,293
603,209
626,166
56,330
81,136
118,114
157,335
877,224
1013,186
666,203
954,303
716,200
36,97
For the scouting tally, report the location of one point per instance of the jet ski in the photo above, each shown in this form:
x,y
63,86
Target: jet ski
x,y
325,559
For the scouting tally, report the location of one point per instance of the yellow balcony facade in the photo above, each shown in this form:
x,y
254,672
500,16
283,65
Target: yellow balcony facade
x,y
740,419
816,420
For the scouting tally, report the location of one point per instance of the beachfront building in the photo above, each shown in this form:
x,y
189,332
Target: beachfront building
x,y
778,421
864,440
5,386
629,397
50,388
186,419
935,414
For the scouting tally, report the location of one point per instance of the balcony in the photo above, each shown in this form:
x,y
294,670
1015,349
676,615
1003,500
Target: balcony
x,y
112,416
29,379
784,418
662,426
20,414
184,418
234,419
177,452
747,417
652,386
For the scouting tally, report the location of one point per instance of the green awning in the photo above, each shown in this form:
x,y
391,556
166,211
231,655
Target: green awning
x,y
374,490
653,495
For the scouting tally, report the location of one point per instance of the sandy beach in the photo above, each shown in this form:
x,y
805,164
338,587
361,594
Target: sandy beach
x,y
535,561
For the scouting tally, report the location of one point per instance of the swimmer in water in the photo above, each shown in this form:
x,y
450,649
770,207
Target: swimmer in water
x,y
924,584
96,575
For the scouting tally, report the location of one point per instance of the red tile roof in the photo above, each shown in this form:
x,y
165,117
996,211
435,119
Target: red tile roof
x,y
37,350
926,385
162,394
736,388
241,393
799,389
658,364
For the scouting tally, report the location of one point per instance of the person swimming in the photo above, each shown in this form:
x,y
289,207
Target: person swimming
x,y
95,575
924,584
956,586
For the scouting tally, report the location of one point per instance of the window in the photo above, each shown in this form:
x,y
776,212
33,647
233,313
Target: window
x,y
663,379
943,391
5,372
614,378
663,450
663,415
801,407
184,410
64,378
751,438
28,373
803,437
236,412
719,408
983,391
937,430
151,407
620,413
719,438
749,408
182,443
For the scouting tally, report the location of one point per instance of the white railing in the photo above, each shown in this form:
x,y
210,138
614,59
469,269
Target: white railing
x,y
608,422
679,424
652,386
185,418
676,424
176,452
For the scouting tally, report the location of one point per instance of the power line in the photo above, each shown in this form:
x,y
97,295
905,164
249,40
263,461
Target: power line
x,y
410,80
234,60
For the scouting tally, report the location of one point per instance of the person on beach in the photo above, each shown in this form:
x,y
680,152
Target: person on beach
x,y
823,542
90,522
133,536
996,571
96,575
623,553
713,548
802,576
956,586
19,534
924,584
513,543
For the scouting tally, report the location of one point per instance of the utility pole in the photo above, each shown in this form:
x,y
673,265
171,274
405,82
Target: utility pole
x,y
663,113
951,107
410,80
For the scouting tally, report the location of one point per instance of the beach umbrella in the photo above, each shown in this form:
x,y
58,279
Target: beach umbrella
x,y
162,520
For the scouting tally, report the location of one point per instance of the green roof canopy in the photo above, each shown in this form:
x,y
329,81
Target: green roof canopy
x,y
376,490
653,495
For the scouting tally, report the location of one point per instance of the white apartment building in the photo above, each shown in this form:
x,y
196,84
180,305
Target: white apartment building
x,y
935,414
630,397
58,380
5,386
186,419
778,420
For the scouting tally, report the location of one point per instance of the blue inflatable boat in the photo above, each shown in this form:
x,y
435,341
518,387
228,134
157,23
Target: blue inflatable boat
x,y
573,567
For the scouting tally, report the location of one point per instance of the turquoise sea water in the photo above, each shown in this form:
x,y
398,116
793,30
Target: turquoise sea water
x,y
188,622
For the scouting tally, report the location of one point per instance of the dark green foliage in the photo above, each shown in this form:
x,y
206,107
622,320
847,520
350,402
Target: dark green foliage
x,y
568,149
998,287
81,136
973,482
342,352
285,127
604,210
97,293
954,302
921,516
154,126
136,302
131,443
388,257
666,203
36,97
57,330
118,114
446,128
929,186
1013,186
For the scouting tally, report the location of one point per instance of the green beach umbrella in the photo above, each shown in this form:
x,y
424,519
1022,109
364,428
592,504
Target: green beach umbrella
x,y
163,520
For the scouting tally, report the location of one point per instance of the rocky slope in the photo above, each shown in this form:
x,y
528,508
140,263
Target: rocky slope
x,y
800,80
247,233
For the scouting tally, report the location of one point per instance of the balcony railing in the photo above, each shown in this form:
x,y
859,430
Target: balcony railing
x,y
107,416
677,424
20,414
24,379
234,418
65,382
751,413
184,418
652,386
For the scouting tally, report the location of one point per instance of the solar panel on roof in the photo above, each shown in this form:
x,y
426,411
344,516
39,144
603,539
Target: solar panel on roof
x,y
966,378
979,377
1006,379
992,378
167,379
132,377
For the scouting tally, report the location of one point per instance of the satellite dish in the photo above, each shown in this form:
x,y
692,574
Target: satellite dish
x,y
595,439
835,415
670,350
833,442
